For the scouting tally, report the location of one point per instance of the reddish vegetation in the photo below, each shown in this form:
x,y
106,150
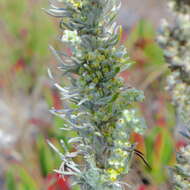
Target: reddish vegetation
x,y
23,32
56,100
161,121
20,64
57,182
140,142
158,144
180,144
142,43
142,187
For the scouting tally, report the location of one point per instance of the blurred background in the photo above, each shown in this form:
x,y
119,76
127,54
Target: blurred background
x,y
26,95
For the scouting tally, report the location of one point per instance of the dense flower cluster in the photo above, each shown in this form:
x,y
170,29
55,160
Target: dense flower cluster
x,y
175,40
181,171
97,104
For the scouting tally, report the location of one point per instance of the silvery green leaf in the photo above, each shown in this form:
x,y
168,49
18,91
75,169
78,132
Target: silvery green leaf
x,y
75,140
57,12
55,149
64,145
57,56
66,128
72,154
74,168
60,54
83,101
65,173
67,96
185,134
63,66
50,74
61,88
125,67
83,113
98,134
80,126
74,183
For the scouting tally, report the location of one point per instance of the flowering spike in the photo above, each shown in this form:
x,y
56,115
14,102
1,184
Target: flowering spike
x,y
98,105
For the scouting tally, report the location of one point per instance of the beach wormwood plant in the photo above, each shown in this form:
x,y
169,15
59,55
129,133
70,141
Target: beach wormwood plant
x,y
175,41
98,106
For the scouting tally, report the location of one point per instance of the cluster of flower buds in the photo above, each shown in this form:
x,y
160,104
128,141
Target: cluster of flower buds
x,y
97,103
181,172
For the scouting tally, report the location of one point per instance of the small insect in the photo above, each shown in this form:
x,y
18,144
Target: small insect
x,y
141,155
